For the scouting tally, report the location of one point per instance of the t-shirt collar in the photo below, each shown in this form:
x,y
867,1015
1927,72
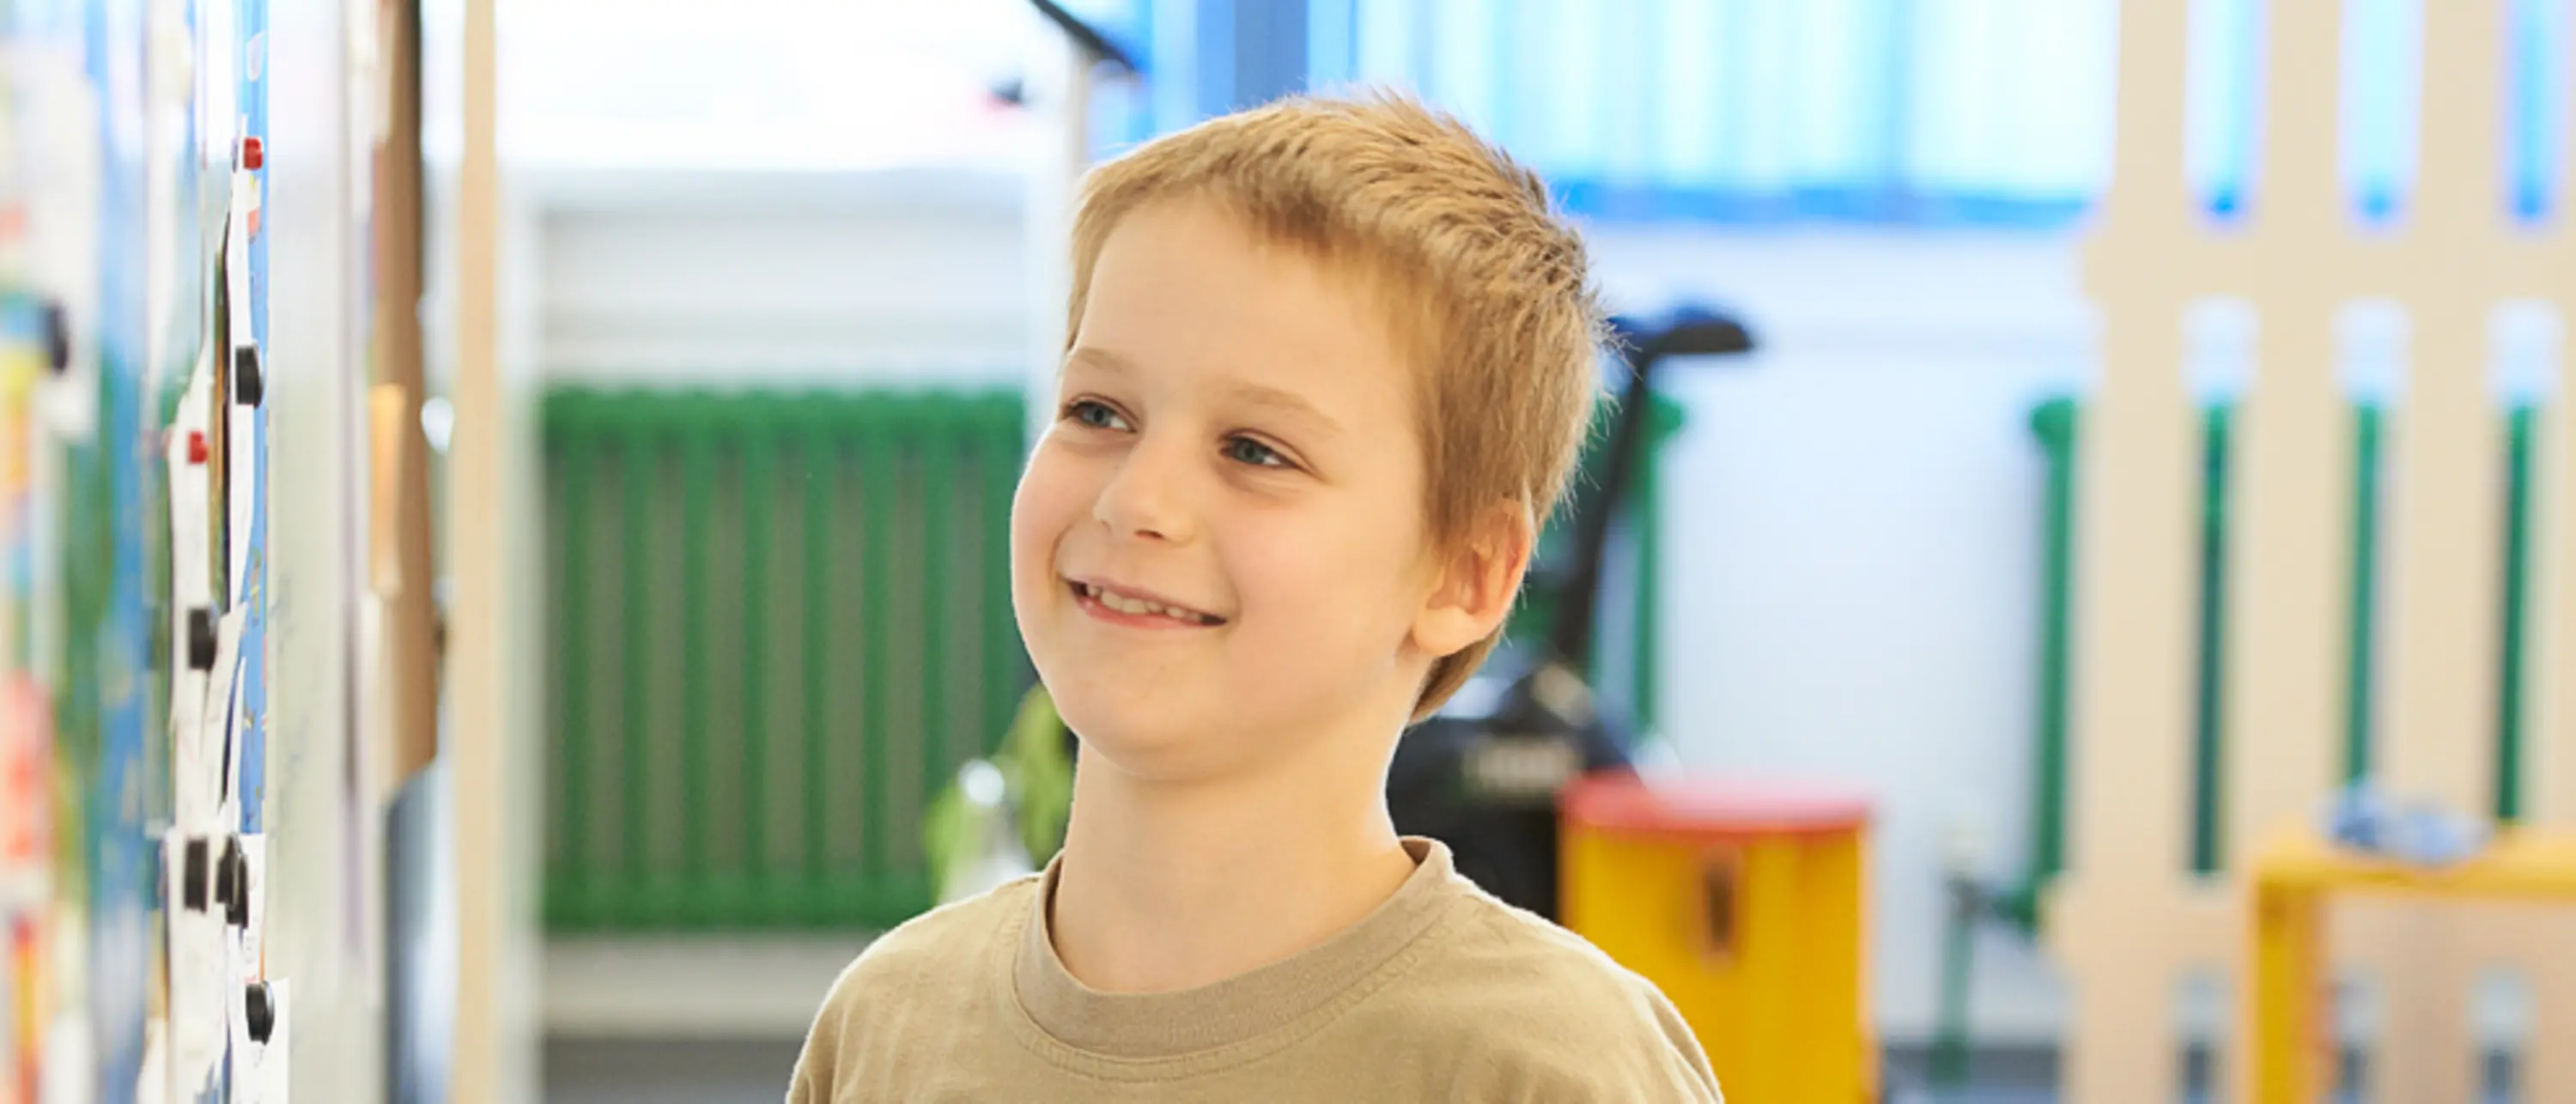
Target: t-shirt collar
x,y
1155,1025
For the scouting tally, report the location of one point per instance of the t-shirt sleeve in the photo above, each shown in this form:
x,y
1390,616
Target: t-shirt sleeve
x,y
1645,1067
1685,1048
1656,1061
1570,1026
818,1063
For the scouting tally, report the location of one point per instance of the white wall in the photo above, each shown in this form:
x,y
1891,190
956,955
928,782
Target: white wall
x,y
778,276
1853,515
1853,525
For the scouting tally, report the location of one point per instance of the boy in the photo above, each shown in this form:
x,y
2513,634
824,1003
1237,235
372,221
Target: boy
x,y
1329,364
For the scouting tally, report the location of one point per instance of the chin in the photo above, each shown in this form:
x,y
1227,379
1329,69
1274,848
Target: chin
x,y
1142,735
1122,728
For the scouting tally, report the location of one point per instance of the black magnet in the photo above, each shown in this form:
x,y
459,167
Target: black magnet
x,y
247,388
58,339
232,884
201,639
259,1012
192,874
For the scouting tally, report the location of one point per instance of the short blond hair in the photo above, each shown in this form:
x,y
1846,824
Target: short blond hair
x,y
1490,288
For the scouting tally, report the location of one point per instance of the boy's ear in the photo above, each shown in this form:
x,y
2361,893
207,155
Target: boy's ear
x,y
1477,581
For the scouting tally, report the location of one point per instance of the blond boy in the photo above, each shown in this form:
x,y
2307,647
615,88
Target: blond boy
x,y
1328,366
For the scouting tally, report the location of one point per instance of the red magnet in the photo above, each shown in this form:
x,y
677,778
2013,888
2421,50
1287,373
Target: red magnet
x,y
250,155
196,447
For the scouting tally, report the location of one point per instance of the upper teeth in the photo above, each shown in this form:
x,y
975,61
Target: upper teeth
x,y
1125,604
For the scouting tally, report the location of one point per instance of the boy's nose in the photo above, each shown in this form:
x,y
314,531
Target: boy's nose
x,y
1147,498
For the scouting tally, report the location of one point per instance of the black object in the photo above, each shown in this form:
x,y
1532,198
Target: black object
x,y
1691,332
1087,36
192,874
1486,782
232,884
58,339
247,388
201,639
259,1012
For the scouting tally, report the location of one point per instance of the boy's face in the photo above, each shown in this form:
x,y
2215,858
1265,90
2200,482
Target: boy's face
x,y
1220,543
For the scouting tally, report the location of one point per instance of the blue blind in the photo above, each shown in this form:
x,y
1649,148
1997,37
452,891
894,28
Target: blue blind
x,y
1974,112
1917,111
2537,64
2381,98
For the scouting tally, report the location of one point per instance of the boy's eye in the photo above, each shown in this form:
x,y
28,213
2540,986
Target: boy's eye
x,y
1245,450
1094,413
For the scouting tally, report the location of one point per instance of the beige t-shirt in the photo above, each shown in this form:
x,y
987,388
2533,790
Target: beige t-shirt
x,y
1442,993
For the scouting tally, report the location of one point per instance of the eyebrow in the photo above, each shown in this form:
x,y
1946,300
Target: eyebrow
x,y
1277,400
1285,403
1099,358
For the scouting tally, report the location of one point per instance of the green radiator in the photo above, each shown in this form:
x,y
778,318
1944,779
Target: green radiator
x,y
779,621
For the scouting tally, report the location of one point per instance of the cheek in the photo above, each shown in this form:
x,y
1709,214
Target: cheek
x,y
1047,501
1339,579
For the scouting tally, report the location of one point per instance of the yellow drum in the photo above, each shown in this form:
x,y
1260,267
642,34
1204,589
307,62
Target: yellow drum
x,y
1744,904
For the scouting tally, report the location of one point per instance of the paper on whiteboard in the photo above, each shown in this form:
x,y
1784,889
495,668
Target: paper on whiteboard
x,y
218,84
216,723
152,1085
241,437
189,533
198,976
251,939
259,1068
59,106
67,1046
191,591
170,315
241,477
192,801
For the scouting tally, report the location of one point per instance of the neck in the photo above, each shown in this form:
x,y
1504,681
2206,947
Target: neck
x,y
1168,885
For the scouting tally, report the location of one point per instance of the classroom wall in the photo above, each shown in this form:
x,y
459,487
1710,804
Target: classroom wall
x,y
1853,514
1854,526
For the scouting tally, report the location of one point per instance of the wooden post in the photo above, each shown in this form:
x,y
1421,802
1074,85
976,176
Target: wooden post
x,y
493,699
399,572
2133,662
2126,920
2547,260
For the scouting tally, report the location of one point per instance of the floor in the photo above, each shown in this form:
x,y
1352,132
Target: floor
x,y
668,1071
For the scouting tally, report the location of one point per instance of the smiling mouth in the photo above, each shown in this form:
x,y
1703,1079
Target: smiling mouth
x,y
1130,605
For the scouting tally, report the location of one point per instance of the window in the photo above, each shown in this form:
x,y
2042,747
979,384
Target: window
x,y
1926,112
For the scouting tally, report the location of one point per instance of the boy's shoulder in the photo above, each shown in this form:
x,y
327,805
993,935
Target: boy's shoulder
x,y
1516,958
916,982
936,945
1565,1015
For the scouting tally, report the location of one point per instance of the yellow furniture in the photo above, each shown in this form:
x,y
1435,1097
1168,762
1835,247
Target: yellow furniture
x,y
1743,903
2289,1047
